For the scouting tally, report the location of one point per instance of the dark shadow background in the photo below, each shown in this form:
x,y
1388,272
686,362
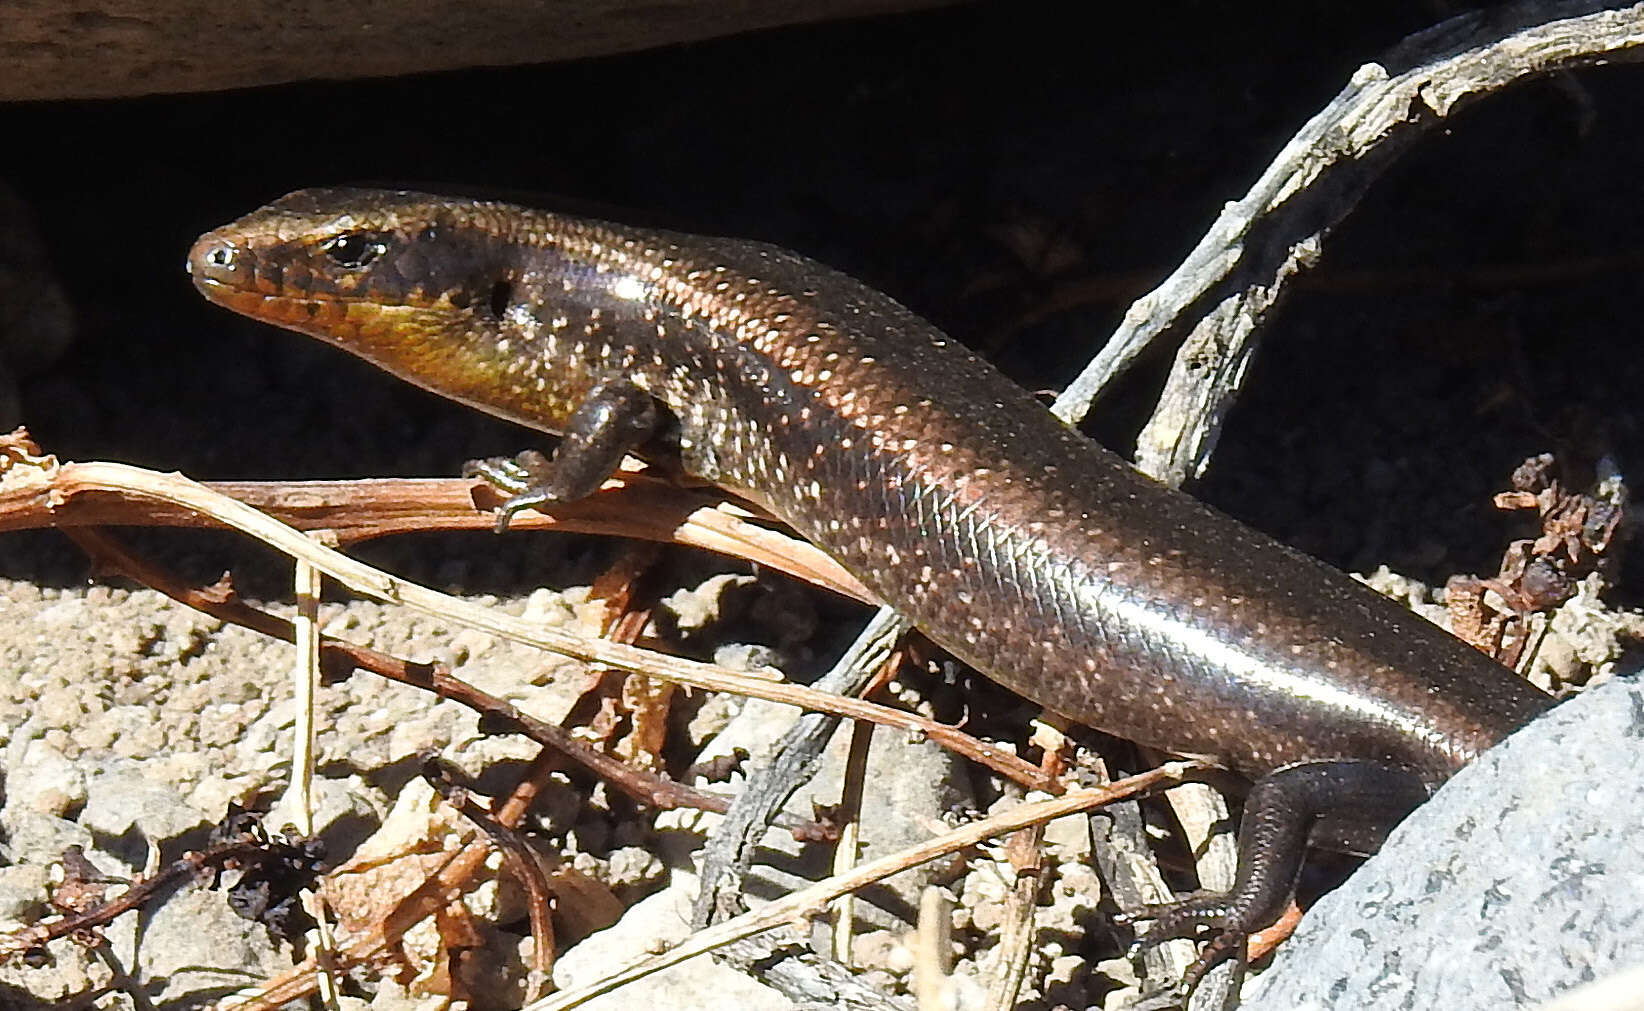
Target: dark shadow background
x,y
1016,172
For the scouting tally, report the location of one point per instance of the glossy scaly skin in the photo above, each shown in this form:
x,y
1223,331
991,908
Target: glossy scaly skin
x,y
1032,553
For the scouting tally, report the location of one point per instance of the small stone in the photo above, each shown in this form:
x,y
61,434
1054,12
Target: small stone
x,y
633,866
872,949
23,891
55,786
650,925
61,707
123,800
899,959
696,609
1069,838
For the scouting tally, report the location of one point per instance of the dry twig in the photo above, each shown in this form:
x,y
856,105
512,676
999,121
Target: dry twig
x,y
1232,280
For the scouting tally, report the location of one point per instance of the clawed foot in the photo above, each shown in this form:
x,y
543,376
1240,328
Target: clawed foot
x,y
523,478
1193,917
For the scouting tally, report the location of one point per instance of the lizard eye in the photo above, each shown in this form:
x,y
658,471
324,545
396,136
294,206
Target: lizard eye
x,y
353,249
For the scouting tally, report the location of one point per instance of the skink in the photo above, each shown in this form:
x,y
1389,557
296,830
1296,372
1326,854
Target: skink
x,y
1027,550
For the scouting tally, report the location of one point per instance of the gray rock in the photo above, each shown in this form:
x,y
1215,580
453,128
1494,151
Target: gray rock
x,y
197,946
47,781
1520,879
652,924
23,891
121,801
31,836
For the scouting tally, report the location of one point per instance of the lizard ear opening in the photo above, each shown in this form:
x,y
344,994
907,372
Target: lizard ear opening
x,y
502,296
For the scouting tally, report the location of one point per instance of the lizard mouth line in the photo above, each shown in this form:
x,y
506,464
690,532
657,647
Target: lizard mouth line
x,y
221,291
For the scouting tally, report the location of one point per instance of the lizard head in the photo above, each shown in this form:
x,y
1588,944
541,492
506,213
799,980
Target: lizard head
x,y
427,288
327,261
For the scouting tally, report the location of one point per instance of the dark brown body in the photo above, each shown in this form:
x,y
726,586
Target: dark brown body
x,y
1029,551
